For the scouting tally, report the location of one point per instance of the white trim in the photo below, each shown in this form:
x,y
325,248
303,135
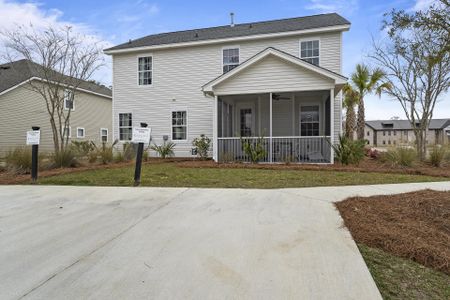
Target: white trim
x,y
233,39
332,124
52,82
310,39
270,127
143,55
339,79
229,48
107,134
187,124
215,129
84,133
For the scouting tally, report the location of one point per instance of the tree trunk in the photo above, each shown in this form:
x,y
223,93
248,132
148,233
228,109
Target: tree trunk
x,y
350,120
361,123
421,144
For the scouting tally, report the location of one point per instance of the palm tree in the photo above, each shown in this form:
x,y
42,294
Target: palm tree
x,y
364,82
351,98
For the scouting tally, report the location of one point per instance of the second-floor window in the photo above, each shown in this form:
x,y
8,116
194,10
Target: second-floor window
x,y
68,100
230,59
145,70
309,51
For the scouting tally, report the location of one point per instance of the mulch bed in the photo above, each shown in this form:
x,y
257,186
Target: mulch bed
x,y
368,165
412,225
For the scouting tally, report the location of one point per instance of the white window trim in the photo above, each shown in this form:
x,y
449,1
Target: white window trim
x,y
118,123
70,130
152,70
310,40
73,100
187,124
221,55
321,119
84,133
107,133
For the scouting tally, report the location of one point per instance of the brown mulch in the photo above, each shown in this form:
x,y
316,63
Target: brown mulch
x,y
413,225
368,165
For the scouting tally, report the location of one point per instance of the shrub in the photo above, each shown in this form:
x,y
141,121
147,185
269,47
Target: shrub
x,y
129,152
145,155
164,150
254,149
373,153
106,153
65,159
348,151
18,160
401,156
437,155
82,148
202,145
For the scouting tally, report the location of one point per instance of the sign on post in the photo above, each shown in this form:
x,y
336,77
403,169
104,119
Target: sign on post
x,y
141,135
33,137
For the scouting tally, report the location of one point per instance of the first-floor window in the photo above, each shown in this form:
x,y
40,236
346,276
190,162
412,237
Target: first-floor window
x,y
309,120
125,127
80,132
179,125
104,135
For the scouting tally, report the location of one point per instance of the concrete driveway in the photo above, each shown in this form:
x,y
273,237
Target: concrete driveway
x,y
176,243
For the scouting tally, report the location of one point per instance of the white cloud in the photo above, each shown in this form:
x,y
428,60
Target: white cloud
x,y
327,6
14,14
423,4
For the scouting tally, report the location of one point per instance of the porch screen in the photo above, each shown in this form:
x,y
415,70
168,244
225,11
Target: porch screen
x,y
309,120
246,122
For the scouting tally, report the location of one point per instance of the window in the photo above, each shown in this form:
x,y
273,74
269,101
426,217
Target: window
x,y
395,132
145,69
384,133
80,132
230,59
104,135
384,142
309,51
125,127
389,132
246,121
309,120
179,125
368,133
69,100
67,131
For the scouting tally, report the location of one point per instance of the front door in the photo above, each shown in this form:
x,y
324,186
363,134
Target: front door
x,y
246,119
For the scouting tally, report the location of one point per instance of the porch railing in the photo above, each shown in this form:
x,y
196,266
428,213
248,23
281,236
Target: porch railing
x,y
284,149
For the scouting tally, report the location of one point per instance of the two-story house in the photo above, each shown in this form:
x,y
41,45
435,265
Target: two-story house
x,y
278,82
22,107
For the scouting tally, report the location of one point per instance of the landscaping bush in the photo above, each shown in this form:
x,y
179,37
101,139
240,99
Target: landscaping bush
x,y
165,150
106,152
202,145
401,156
65,159
348,151
437,155
254,149
18,160
373,153
82,148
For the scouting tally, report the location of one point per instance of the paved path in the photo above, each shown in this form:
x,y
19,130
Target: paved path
x,y
178,243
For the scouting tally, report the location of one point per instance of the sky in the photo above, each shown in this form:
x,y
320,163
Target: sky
x,y
113,22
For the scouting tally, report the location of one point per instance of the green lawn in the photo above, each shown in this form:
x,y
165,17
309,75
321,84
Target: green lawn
x,y
399,278
170,175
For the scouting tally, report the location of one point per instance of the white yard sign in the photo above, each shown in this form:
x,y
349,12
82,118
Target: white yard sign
x,y
141,135
33,137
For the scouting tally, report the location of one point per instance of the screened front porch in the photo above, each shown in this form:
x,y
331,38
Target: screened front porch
x,y
289,126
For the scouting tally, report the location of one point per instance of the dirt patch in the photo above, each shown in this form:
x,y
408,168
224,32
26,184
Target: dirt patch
x,y
413,225
368,165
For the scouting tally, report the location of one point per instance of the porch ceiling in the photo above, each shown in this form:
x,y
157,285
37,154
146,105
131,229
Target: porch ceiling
x,y
274,71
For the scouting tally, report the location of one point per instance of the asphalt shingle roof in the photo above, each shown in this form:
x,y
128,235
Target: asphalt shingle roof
x,y
238,30
405,124
11,74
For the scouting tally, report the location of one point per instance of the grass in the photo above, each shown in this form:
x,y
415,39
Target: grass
x,y
171,175
399,278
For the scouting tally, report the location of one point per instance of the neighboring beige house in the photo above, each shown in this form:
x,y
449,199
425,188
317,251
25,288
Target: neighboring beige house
x,y
21,108
280,80
385,133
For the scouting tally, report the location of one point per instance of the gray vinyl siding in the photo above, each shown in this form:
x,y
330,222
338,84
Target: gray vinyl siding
x,y
22,108
179,74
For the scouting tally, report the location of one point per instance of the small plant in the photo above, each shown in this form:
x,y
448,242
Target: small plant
x,y
226,157
82,148
202,145
373,153
145,155
254,149
348,151
437,155
165,150
401,156
18,160
106,153
65,159
129,152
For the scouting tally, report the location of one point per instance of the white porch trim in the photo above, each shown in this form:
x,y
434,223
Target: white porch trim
x,y
215,129
332,124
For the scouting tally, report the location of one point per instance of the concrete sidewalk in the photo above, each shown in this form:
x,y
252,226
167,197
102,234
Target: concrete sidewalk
x,y
179,243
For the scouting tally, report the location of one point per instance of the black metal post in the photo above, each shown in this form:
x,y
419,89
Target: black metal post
x,y
34,159
137,170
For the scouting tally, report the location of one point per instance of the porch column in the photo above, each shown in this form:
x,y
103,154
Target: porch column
x,y
270,129
332,124
215,135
